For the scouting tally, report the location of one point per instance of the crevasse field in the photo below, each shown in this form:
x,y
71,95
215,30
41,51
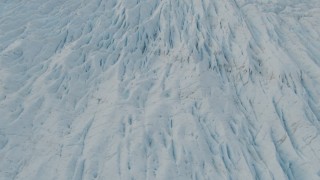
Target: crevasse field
x,y
159,89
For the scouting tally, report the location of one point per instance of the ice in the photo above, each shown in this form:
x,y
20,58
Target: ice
x,y
140,89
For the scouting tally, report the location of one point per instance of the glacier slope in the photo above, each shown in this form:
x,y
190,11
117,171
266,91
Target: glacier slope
x,y
140,89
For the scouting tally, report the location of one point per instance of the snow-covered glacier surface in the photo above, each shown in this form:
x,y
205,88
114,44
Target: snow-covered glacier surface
x,y
159,89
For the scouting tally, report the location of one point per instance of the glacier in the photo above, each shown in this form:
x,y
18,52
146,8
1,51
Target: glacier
x,y
159,89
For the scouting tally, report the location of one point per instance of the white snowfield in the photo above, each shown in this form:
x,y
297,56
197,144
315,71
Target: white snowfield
x,y
159,89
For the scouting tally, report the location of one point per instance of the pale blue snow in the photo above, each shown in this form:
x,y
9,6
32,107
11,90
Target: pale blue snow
x,y
167,89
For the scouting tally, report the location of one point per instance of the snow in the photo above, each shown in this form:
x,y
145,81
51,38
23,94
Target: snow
x,y
141,89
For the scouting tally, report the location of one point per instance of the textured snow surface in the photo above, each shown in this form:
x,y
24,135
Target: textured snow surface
x,y
159,89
